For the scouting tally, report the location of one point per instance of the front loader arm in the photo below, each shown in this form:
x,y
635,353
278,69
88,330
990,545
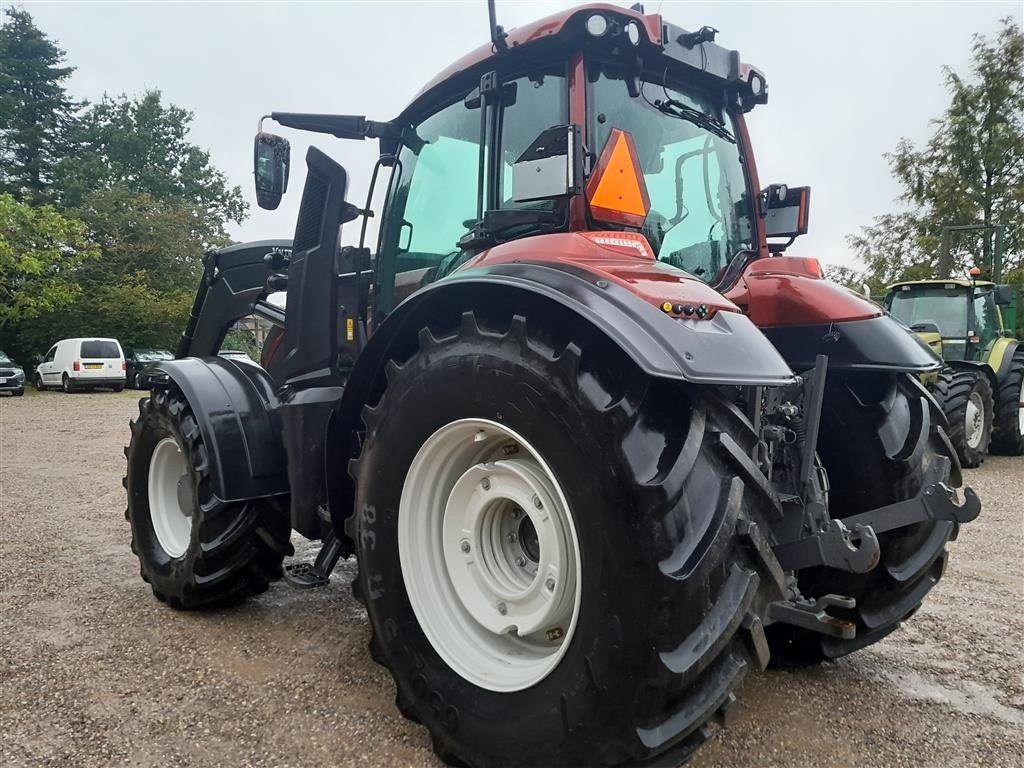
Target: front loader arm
x,y
234,280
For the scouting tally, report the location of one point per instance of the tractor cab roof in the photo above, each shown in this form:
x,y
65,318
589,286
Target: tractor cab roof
x,y
959,283
639,37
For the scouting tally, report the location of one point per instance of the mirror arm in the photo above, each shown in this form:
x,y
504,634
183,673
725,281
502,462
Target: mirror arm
x,y
355,127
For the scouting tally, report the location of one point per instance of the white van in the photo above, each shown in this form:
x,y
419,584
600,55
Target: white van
x,y
74,364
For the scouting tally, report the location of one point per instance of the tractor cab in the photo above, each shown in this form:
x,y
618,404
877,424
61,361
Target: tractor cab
x,y
598,119
959,319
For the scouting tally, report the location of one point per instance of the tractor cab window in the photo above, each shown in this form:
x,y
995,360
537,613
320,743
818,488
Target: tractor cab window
x,y
433,200
535,102
936,306
986,319
701,208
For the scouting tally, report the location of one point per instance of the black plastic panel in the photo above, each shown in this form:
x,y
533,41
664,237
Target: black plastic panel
x,y
875,344
234,404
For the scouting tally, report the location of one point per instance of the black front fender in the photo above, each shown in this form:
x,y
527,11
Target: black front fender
x,y
234,406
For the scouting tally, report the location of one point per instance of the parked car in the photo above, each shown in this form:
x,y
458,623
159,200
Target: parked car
x,y
139,362
74,364
12,377
236,354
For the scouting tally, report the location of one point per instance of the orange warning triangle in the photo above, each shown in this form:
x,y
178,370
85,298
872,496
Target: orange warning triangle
x,y
617,185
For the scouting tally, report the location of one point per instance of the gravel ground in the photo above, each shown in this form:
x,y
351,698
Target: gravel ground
x,y
95,672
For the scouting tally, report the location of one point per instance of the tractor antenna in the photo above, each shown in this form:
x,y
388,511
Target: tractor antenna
x,y
497,33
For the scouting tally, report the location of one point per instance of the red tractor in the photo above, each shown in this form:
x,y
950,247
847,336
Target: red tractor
x,y
600,450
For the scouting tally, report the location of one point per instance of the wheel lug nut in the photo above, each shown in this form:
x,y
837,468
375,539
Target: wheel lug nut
x,y
550,583
502,609
486,483
537,502
464,546
521,561
512,538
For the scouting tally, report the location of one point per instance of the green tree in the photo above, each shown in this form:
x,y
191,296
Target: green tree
x,y
154,204
41,252
971,171
139,234
142,288
141,145
35,110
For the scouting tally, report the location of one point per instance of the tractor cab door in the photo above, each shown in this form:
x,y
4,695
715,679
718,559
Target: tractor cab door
x,y
435,195
987,325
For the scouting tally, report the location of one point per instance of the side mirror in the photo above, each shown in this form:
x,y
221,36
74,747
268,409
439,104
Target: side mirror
x,y
1003,295
785,210
552,166
271,159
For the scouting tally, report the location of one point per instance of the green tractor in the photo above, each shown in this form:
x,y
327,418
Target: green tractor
x,y
982,387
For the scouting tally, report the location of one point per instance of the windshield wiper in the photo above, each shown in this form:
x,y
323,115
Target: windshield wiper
x,y
674,108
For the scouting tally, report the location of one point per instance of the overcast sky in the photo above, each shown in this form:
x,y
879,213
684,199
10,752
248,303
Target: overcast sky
x,y
847,80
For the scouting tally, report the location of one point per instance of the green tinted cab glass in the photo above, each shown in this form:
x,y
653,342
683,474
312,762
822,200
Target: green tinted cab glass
x,y
944,308
701,208
986,319
433,201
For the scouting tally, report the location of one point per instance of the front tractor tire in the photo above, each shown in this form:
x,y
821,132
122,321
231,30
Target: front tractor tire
x,y
966,398
881,441
563,561
1008,425
194,550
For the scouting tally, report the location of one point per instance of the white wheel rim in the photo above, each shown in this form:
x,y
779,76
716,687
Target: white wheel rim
x,y
1020,408
489,555
975,420
172,520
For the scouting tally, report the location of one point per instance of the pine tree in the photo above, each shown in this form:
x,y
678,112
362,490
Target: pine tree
x,y
35,110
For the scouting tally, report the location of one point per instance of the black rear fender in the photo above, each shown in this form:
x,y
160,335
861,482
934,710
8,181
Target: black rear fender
x,y
235,407
878,344
726,349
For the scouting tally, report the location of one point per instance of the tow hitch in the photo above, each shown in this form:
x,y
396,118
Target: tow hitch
x,y
852,545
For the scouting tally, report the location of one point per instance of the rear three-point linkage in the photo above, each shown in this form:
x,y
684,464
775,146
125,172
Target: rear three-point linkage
x,y
808,537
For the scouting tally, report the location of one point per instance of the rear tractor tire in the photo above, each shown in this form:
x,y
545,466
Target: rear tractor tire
x,y
881,441
966,399
194,550
563,561
1008,425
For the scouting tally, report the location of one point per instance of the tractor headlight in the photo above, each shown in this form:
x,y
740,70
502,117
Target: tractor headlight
x,y
597,25
633,33
756,85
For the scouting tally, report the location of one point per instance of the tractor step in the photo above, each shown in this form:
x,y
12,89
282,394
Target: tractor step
x,y
317,573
